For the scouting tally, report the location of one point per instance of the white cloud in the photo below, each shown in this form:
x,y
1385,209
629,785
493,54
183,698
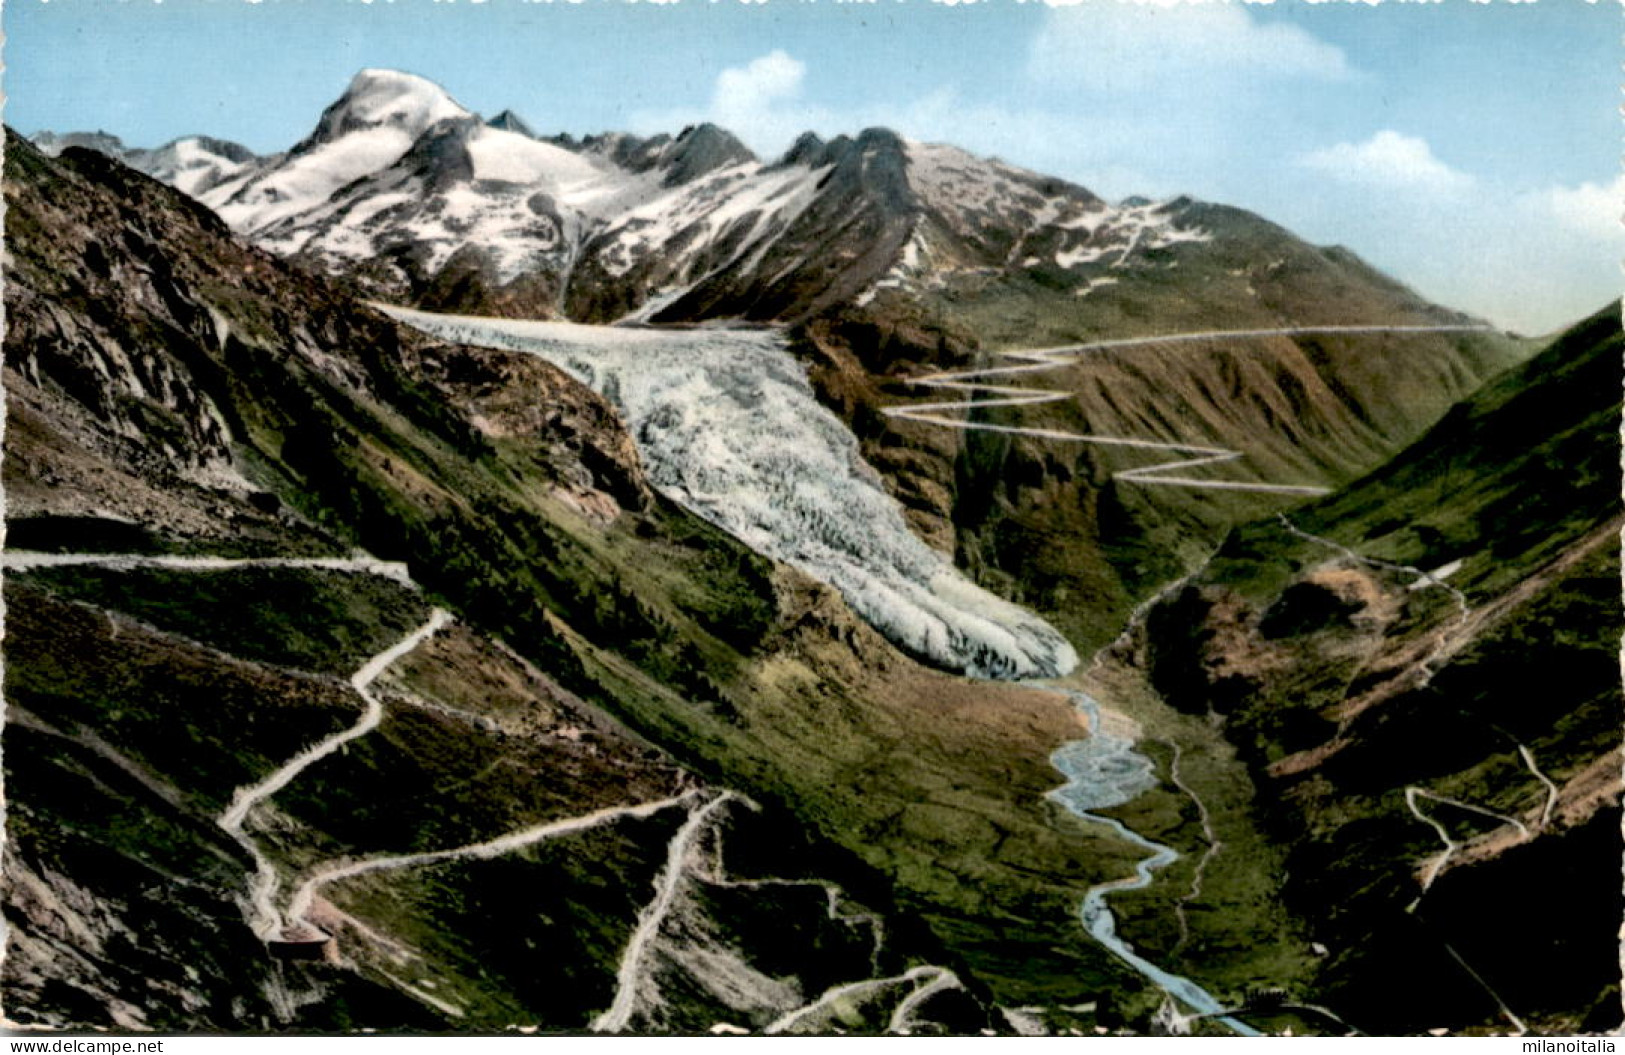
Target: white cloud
x,y
1533,260
759,101
1590,208
1173,47
773,76
1388,159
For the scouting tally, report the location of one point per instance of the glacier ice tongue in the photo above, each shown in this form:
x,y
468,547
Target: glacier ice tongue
x,y
727,425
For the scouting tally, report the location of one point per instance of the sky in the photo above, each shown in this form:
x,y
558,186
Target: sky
x,y
1473,150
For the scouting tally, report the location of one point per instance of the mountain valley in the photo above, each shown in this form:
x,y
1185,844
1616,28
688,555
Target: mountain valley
x,y
458,578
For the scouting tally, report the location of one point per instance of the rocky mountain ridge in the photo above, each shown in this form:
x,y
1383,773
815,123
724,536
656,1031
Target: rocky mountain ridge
x,y
484,215
178,394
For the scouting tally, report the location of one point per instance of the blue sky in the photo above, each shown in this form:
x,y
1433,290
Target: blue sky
x,y
1473,150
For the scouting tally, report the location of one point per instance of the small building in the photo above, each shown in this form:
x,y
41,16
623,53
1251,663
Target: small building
x,y
303,942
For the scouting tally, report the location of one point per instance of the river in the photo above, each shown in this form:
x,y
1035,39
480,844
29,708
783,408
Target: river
x,y
1105,771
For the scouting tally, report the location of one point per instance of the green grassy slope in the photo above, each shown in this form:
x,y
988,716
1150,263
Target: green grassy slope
x,y
1345,685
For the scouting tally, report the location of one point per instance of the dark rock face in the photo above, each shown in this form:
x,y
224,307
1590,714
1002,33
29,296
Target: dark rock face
x,y
700,150
440,158
508,121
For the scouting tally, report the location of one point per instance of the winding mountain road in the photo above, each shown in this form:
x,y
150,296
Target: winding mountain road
x,y
1104,771
831,996
1552,790
299,905
1041,360
653,916
1422,580
1413,793
265,880
713,874
1214,845
23,560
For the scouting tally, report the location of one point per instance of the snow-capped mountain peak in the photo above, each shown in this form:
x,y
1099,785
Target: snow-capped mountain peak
x,y
421,200
196,164
369,128
377,98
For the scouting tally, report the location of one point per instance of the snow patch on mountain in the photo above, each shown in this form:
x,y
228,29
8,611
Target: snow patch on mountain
x,y
305,181
514,158
986,202
398,182
195,164
389,97
727,424
705,212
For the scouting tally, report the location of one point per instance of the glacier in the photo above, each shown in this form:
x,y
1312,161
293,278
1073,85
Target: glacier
x,y
728,426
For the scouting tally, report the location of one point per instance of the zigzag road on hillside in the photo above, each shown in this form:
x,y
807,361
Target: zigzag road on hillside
x,y
653,916
1040,360
1464,612
1214,845
299,905
1423,580
902,1017
263,885
269,922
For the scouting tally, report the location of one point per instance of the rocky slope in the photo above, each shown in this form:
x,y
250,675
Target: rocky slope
x,y
1422,672
228,724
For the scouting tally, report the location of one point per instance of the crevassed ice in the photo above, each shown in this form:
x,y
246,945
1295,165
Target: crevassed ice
x,y
727,425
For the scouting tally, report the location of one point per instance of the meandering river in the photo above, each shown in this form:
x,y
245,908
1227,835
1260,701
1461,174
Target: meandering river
x,y
1105,771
